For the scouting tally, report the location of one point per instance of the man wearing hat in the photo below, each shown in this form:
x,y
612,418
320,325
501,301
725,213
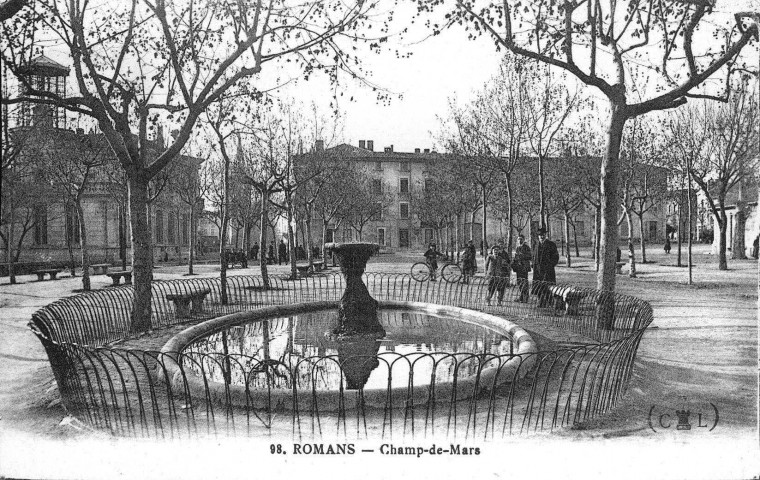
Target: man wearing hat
x,y
545,258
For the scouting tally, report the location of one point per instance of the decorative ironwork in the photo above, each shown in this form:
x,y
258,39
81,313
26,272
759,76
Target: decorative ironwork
x,y
118,383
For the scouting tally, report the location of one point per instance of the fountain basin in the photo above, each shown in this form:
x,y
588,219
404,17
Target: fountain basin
x,y
355,358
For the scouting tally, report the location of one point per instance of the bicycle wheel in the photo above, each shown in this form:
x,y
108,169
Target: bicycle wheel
x,y
451,273
420,271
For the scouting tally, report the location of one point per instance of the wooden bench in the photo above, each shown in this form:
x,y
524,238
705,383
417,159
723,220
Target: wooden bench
x,y
116,277
303,268
188,303
567,298
619,267
100,268
50,271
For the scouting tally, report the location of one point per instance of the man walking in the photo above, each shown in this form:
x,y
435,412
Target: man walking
x,y
521,266
545,258
282,251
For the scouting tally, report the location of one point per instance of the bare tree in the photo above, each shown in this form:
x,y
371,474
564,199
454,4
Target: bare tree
x,y
605,46
720,145
364,204
22,192
139,62
191,184
72,162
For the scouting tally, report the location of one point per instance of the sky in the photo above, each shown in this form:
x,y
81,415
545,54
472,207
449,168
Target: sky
x,y
440,68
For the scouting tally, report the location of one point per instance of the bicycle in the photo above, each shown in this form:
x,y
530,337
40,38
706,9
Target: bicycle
x,y
451,272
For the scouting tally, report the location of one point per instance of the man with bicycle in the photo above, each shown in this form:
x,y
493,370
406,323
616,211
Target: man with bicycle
x,y
431,258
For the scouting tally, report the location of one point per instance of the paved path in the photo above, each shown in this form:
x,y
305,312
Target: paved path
x,y
702,350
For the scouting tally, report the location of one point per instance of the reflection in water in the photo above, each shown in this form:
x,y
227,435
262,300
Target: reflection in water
x,y
417,348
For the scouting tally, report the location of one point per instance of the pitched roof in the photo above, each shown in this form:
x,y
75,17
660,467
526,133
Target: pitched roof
x,y
43,65
347,151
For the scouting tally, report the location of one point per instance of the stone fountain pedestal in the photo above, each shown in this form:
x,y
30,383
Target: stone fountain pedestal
x,y
357,312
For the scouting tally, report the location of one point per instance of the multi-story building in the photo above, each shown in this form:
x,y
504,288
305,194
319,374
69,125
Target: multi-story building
x,y
44,227
399,228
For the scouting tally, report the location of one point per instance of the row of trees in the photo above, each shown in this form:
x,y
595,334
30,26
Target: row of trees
x,y
138,62
529,150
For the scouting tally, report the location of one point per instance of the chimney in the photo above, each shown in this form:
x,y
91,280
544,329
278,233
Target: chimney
x,y
388,149
427,150
416,150
319,145
371,145
361,144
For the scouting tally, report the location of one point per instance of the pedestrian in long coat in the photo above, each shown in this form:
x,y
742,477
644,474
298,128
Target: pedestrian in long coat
x,y
497,273
521,266
545,258
469,261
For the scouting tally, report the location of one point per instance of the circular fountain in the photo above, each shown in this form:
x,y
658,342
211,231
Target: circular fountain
x,y
306,354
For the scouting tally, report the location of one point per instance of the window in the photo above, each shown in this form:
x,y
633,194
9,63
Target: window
x,y
348,235
428,236
405,167
159,226
377,186
378,165
330,235
404,210
403,185
378,213
72,226
652,231
185,229
580,227
428,184
40,225
381,237
170,220
403,238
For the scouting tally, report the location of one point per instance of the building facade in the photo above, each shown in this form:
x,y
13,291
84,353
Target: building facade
x,y
40,219
397,177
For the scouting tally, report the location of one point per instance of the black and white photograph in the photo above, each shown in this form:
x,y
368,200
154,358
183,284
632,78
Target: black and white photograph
x,y
245,239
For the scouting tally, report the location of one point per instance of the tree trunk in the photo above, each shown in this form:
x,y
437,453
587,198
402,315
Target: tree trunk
x,y
123,237
508,185
738,250
575,241
631,248
691,223
456,237
483,226
324,241
723,226
223,234
86,286
9,248
641,240
291,236
597,235
308,241
142,253
191,235
680,229
70,249
263,239
541,193
567,241
609,203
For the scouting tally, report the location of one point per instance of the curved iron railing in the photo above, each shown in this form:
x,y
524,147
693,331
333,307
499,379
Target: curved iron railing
x,y
117,382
